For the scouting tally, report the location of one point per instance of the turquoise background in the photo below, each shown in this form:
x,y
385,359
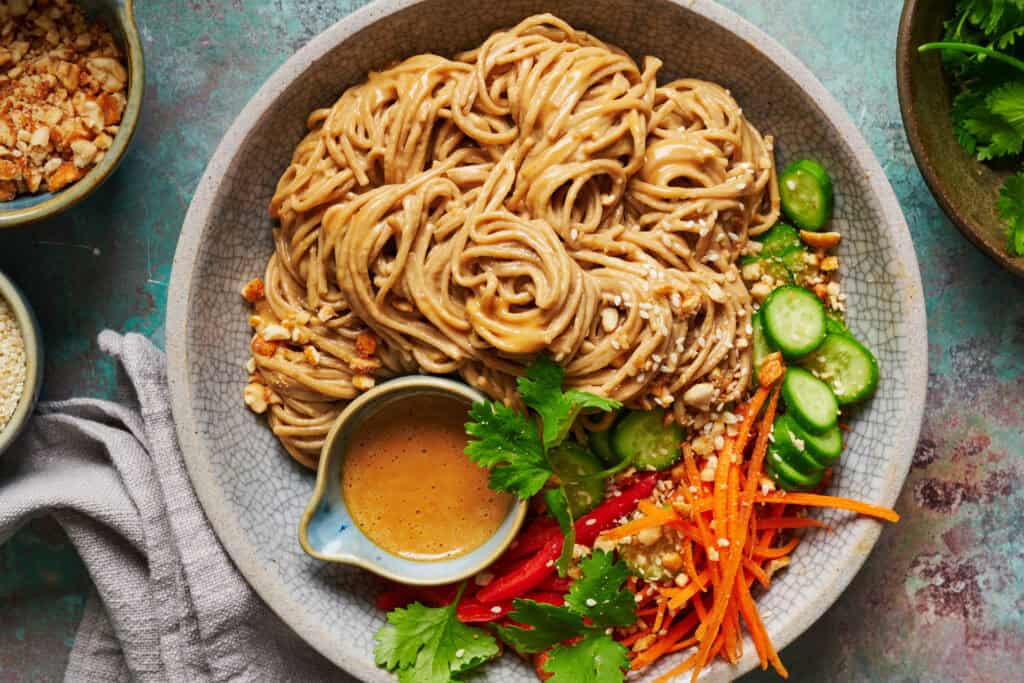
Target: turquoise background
x,y
941,598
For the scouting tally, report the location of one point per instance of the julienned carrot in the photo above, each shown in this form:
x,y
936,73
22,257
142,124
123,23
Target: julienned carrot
x,y
678,597
756,571
791,523
662,646
723,590
818,500
758,631
772,553
655,516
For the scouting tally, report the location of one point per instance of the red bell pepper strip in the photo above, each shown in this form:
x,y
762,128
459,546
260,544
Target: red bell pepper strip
x,y
518,582
535,537
473,611
555,584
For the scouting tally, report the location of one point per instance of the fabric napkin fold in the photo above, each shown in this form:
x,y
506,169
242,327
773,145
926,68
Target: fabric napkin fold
x,y
168,603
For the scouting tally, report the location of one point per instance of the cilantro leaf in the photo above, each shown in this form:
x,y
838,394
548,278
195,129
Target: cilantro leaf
x,y
1011,208
558,506
595,659
549,624
430,645
508,444
541,390
598,594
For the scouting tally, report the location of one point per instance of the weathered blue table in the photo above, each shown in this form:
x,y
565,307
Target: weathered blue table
x,y
942,597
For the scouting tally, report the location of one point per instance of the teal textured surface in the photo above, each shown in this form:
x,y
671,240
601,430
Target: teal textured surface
x,y
940,599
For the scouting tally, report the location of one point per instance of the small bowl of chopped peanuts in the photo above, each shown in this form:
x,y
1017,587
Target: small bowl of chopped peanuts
x,y
71,85
21,362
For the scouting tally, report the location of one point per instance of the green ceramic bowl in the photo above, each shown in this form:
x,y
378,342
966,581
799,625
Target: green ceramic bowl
x,y
965,188
33,341
118,16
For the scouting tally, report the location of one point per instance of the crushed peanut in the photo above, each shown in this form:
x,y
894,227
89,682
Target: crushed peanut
x,y
62,95
253,290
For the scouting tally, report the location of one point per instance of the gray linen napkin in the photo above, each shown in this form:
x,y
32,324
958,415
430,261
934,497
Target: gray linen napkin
x,y
169,605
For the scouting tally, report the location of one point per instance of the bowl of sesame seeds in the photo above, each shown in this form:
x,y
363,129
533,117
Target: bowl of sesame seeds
x,y
71,85
21,361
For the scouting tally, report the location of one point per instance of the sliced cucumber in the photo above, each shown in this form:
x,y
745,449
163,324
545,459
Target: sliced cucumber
x,y
835,325
846,365
787,477
823,448
792,447
573,463
601,445
794,320
794,261
643,437
779,239
806,195
761,347
810,400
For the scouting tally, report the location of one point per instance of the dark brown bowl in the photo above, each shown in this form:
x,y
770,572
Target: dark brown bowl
x,y
965,188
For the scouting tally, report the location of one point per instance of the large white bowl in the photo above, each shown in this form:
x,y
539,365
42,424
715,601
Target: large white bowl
x,y
254,494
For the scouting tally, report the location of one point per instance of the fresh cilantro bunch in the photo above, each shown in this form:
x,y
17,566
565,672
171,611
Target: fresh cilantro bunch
x,y
430,645
575,635
516,449
982,52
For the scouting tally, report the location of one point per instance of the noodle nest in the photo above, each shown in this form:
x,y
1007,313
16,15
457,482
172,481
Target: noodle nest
x,y
539,194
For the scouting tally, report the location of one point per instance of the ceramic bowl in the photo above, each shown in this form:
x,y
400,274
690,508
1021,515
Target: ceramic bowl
x,y
118,17
33,341
234,460
965,188
327,531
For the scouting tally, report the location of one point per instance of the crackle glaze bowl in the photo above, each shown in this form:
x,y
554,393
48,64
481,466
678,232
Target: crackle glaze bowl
x,y
254,494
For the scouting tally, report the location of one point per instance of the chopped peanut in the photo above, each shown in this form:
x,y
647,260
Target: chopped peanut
x,y
253,290
820,240
366,344
263,347
771,370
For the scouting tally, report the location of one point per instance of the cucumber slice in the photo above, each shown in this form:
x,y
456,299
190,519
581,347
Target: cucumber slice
x,y
823,448
601,445
846,365
792,447
643,437
787,477
779,239
794,320
810,400
806,195
793,259
835,325
571,462
761,347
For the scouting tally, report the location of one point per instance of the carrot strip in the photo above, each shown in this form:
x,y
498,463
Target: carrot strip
x,y
755,624
772,553
657,516
791,523
683,644
663,645
756,571
711,628
660,617
633,637
678,597
685,666
817,500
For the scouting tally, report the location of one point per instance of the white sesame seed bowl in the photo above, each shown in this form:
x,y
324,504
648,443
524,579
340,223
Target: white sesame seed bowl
x,y
21,362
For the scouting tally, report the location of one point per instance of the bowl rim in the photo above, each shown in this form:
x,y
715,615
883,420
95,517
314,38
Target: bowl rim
x,y
905,54
264,579
358,410
32,340
85,186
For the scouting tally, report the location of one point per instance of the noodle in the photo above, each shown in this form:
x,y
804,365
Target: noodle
x,y
538,194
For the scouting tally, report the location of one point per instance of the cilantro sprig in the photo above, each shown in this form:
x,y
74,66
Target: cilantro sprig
x,y
510,444
984,54
575,635
430,645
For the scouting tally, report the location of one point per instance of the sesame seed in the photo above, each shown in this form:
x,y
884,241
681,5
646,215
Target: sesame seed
x,y
495,610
